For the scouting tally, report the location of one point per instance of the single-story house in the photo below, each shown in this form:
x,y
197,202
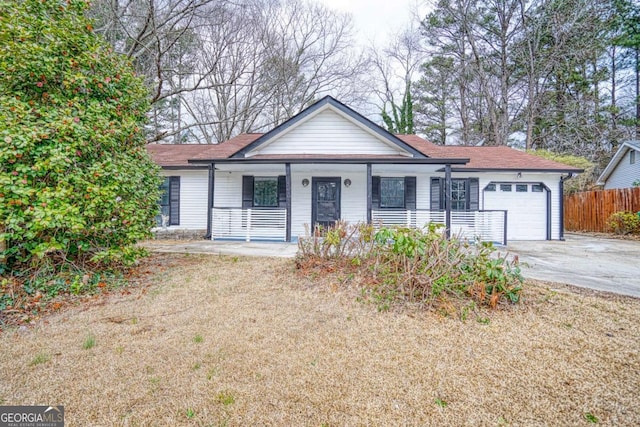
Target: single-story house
x,y
330,163
623,170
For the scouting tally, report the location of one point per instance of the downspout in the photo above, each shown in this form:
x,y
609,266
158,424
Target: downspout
x,y
447,201
369,196
562,180
549,215
212,171
287,168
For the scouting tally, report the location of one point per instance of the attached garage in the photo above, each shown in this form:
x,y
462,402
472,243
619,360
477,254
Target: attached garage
x,y
527,206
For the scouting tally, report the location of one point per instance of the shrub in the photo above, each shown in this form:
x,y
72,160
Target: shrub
x,y
77,188
341,240
624,222
405,265
584,181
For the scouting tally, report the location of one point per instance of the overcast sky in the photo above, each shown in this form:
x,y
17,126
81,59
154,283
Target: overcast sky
x,y
377,20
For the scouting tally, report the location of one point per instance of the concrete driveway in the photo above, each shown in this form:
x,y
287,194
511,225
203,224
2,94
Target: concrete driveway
x,y
603,264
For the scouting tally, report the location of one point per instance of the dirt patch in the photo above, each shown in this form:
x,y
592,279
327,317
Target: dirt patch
x,y
244,341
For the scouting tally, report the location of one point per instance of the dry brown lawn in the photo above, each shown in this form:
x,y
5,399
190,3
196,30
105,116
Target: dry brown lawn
x,y
240,341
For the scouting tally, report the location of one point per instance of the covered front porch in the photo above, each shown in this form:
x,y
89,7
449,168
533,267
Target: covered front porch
x,y
259,200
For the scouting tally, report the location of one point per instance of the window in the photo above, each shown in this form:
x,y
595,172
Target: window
x,y
392,193
265,192
490,187
164,202
505,187
522,188
459,194
632,157
537,188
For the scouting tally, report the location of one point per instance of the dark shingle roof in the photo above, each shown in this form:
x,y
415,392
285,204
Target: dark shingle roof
x,y
481,158
175,155
490,158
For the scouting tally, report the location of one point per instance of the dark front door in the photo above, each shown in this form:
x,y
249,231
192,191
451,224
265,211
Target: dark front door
x,y
326,201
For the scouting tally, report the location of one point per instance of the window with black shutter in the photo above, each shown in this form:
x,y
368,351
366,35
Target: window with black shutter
x,y
393,192
169,202
263,192
464,194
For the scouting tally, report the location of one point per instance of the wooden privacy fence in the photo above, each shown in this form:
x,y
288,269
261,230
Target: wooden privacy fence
x,y
590,210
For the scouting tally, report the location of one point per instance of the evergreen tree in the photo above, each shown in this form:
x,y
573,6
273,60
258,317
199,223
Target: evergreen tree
x,y
401,119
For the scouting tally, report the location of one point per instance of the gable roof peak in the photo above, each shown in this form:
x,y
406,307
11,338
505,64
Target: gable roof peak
x,y
341,109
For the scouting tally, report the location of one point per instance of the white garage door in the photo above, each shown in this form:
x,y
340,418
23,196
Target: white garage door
x,y
526,206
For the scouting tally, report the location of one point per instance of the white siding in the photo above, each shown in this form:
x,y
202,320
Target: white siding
x,y
327,133
193,198
228,189
625,173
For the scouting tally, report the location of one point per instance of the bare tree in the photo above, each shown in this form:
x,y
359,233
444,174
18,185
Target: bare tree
x,y
395,68
220,67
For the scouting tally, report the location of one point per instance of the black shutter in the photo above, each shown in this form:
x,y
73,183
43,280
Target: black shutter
x,y
436,195
174,200
247,191
375,192
474,194
410,193
282,191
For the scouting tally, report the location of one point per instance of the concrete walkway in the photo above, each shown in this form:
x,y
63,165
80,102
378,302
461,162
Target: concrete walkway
x,y
287,250
610,265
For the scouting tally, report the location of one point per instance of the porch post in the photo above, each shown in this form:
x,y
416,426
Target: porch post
x,y
447,201
287,168
212,175
369,189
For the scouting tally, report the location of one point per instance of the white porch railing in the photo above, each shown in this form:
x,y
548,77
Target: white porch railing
x,y
249,224
487,225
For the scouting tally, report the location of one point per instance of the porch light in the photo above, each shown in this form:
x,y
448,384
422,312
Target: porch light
x,y
305,182
347,182
519,175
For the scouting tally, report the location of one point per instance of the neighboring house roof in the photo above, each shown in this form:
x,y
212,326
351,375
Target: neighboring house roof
x,y
615,160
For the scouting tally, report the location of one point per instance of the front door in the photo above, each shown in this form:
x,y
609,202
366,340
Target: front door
x,y
326,201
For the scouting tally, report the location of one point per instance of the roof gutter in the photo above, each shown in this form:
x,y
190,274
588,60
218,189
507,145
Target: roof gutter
x,y
569,171
185,167
407,161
